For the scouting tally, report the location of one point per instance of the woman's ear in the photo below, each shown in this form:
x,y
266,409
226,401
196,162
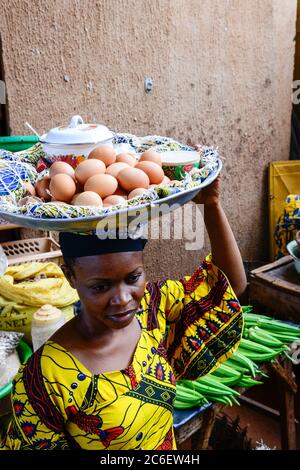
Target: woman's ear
x,y
69,274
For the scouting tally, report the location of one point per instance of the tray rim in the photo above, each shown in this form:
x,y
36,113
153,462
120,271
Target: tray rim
x,y
70,224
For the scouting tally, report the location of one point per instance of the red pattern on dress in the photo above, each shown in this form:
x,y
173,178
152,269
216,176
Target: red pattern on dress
x,y
168,442
195,280
131,374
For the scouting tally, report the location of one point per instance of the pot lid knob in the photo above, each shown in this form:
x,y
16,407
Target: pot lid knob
x,y
75,121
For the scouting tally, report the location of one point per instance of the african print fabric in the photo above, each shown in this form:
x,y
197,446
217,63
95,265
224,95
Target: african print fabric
x,y
188,328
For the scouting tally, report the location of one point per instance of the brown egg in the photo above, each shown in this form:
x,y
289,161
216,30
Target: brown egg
x,y
166,180
89,168
61,167
41,186
132,178
62,187
115,168
153,170
151,156
104,185
87,198
29,188
126,158
113,200
104,153
137,192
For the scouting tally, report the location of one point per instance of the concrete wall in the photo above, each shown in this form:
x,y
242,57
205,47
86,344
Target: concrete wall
x,y
222,73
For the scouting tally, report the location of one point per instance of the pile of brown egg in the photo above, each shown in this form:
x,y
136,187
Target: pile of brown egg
x,y
103,179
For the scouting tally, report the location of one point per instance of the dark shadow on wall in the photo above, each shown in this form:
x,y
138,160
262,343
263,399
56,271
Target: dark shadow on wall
x,y
295,134
3,107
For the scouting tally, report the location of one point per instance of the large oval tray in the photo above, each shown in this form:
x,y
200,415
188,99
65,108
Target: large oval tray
x,y
121,217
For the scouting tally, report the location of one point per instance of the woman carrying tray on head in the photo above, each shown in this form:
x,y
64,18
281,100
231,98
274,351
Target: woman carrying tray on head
x,y
106,379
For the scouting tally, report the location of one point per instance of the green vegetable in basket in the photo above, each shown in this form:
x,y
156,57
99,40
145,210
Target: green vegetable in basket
x,y
258,356
187,398
255,346
227,375
263,337
244,361
248,382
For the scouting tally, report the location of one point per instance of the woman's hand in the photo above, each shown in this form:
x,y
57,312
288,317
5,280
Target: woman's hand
x,y
210,195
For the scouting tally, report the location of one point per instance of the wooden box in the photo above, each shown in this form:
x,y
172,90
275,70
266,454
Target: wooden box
x,y
277,286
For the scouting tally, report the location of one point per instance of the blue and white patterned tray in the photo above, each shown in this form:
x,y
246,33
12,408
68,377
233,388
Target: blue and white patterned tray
x,y
144,211
15,169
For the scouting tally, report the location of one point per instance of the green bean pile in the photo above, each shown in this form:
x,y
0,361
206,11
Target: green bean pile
x,y
264,339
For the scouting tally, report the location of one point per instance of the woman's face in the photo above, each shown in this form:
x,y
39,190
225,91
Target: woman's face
x,y
110,287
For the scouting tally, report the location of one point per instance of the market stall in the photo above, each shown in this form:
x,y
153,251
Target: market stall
x,y
68,182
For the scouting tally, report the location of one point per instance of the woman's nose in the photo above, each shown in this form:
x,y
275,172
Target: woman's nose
x,y
122,297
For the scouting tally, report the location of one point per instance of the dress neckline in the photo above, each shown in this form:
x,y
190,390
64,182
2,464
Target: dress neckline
x,y
81,366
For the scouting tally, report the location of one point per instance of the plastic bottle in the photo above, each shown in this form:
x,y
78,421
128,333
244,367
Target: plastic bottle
x,y
45,322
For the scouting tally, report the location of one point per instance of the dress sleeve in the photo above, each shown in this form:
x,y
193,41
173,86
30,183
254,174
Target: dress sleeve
x,y
204,321
36,423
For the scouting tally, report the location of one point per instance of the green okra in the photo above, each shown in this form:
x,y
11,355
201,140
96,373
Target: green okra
x,y
253,346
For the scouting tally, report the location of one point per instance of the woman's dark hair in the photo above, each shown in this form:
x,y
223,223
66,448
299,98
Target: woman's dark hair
x,y
69,262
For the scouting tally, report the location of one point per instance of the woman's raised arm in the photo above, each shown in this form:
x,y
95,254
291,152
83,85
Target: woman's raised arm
x,y
225,252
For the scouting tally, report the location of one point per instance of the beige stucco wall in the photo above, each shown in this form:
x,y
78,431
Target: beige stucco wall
x,y
222,73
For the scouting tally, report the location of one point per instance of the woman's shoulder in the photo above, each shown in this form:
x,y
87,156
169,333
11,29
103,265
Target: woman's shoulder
x,y
52,362
50,357
48,380
41,368
57,360
159,297
158,290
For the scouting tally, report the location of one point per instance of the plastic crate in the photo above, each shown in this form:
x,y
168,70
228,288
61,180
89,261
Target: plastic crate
x,y
32,250
15,143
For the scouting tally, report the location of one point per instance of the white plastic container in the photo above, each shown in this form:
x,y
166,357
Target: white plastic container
x,y
176,163
78,138
45,322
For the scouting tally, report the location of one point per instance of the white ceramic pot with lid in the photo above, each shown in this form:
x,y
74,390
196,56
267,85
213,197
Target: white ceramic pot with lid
x,y
77,139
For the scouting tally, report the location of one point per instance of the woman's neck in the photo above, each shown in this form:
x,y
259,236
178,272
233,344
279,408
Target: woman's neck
x,y
93,333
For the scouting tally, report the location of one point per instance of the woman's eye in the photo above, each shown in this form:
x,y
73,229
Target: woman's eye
x,y
134,278
100,288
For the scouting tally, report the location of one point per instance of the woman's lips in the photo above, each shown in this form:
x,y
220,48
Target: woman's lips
x,y
121,316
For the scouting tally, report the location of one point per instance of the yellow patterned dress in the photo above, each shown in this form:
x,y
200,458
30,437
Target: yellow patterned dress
x,y
188,328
